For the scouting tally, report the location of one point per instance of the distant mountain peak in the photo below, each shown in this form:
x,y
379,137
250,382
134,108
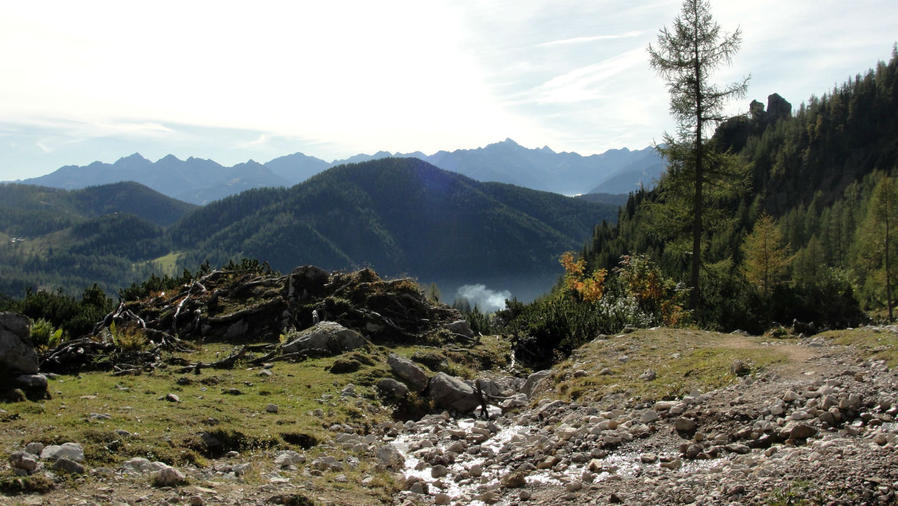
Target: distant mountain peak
x,y
132,157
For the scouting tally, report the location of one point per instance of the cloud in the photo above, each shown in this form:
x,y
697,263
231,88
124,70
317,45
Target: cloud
x,y
482,297
587,83
591,38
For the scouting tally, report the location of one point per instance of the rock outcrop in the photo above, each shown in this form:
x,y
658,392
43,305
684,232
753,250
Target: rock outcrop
x,y
324,339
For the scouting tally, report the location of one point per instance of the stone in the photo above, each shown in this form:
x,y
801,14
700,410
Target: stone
x,y
460,327
34,448
449,392
142,465
288,458
533,380
441,499
648,458
390,457
409,372
476,470
17,355
802,431
438,471
24,461
71,451
169,477
648,375
68,466
271,408
649,416
172,398
391,389
31,382
328,338
517,479
685,425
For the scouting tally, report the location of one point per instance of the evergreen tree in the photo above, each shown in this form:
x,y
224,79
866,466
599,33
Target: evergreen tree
x,y
685,56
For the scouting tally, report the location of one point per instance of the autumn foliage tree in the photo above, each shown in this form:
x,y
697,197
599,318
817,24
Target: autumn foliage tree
x,y
767,257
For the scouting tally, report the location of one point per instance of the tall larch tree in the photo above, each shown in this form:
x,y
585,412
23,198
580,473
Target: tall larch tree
x,y
685,56
880,232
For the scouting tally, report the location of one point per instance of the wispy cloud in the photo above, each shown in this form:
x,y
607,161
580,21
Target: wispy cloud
x,y
583,84
590,38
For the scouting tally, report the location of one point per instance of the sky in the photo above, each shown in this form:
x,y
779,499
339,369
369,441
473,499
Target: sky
x,y
232,81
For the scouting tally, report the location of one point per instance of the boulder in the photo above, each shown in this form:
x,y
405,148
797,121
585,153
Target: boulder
x,y
391,389
71,451
328,338
142,465
408,372
449,392
24,461
17,355
533,380
460,327
169,477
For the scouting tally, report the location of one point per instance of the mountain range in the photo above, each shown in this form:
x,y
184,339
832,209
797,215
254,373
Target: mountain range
x,y
401,216
200,181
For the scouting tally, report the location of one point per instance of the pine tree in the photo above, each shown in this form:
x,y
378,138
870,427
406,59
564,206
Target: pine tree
x,y
686,56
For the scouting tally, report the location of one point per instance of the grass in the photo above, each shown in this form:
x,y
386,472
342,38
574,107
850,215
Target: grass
x,y
168,264
93,408
871,343
684,361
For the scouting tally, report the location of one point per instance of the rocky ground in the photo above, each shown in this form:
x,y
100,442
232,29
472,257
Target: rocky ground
x,y
813,424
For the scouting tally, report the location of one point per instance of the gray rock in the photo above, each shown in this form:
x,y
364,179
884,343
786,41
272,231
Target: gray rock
x,y
169,477
449,392
326,337
649,416
390,457
24,461
460,327
442,498
438,471
170,397
271,408
533,380
71,451
17,355
685,425
288,458
34,448
327,463
802,431
68,466
36,382
409,372
391,389
648,375
142,465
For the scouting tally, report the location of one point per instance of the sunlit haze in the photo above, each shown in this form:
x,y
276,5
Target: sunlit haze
x,y
230,81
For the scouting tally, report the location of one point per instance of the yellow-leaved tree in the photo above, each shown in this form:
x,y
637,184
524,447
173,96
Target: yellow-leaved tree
x,y
767,257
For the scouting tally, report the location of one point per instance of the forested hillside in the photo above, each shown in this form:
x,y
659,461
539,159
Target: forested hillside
x,y
397,215
813,173
71,239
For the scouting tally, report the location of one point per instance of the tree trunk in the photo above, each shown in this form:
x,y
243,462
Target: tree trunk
x,y
695,296
888,277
